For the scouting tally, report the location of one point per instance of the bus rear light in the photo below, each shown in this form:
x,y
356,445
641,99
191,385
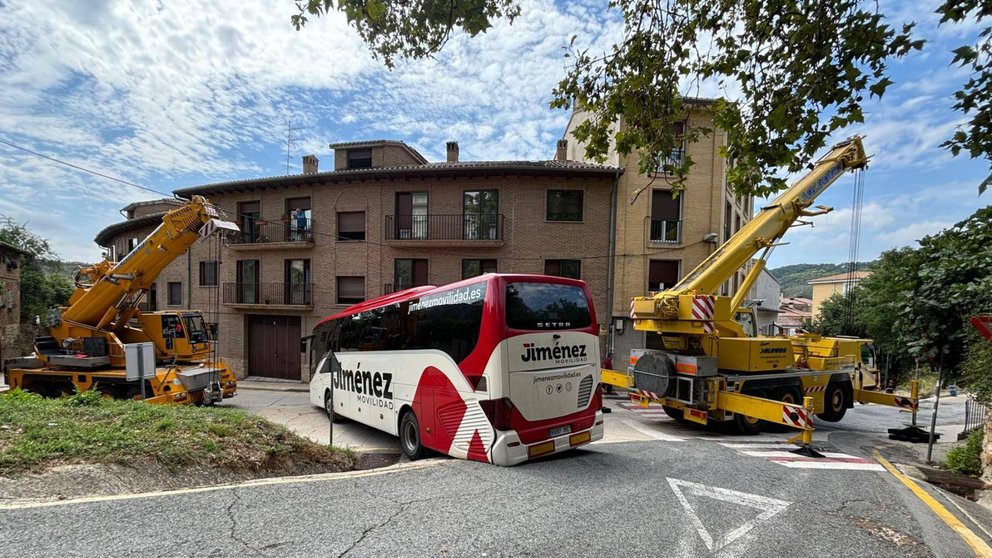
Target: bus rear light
x,y
498,412
541,449
580,438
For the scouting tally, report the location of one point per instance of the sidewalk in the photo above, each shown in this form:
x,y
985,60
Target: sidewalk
x,y
271,384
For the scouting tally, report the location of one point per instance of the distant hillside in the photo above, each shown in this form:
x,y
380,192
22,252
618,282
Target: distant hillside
x,y
794,277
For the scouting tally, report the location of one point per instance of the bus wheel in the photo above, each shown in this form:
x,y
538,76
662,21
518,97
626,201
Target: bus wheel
x,y
410,436
834,403
329,407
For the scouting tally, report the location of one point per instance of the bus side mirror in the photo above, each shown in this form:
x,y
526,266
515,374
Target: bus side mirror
x,y
305,343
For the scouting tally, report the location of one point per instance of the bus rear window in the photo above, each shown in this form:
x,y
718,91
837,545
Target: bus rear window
x,y
546,306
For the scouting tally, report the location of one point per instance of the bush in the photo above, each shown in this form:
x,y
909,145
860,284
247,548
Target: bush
x,y
967,459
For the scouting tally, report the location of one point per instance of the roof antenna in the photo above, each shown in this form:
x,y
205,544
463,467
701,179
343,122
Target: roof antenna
x,y
289,141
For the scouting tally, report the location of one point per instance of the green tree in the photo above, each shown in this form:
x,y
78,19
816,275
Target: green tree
x,y
976,367
881,295
840,314
803,68
954,282
41,289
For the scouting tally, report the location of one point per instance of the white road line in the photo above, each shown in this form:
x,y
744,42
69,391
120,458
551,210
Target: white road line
x,y
769,445
651,432
769,508
831,465
788,455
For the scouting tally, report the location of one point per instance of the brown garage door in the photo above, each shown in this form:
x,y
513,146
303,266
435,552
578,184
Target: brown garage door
x,y
274,346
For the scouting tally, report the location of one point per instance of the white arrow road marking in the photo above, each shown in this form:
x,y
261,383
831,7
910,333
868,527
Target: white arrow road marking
x,y
647,431
771,507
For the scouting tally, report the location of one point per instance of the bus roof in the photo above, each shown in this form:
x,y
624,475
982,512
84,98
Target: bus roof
x,y
417,292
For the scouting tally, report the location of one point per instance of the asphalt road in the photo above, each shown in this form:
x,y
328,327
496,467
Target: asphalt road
x,y
672,490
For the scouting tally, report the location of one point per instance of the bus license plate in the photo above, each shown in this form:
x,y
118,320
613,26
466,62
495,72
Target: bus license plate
x,y
555,432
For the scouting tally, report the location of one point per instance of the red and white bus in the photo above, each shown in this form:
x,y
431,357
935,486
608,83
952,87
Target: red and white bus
x,y
499,368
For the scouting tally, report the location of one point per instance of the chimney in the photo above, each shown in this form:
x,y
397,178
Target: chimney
x,y
452,151
561,153
310,164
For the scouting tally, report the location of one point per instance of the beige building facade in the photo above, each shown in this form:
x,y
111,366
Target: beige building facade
x,y
382,220
825,287
660,236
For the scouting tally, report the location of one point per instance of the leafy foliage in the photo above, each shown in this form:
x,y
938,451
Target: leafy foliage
x,y
975,97
803,69
833,316
976,368
966,459
44,282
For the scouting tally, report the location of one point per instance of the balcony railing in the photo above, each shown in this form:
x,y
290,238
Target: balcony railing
x,y
666,162
262,231
665,232
486,226
290,294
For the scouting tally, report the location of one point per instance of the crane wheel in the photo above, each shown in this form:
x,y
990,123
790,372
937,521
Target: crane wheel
x,y
674,413
785,395
834,403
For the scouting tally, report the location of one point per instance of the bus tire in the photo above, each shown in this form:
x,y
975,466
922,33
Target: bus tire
x,y
834,402
329,407
410,436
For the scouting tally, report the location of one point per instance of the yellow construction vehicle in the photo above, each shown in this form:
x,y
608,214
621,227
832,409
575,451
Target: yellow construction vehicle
x,y
86,344
713,368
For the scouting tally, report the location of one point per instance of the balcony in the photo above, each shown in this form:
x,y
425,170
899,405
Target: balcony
x,y
274,295
674,159
665,232
477,230
274,234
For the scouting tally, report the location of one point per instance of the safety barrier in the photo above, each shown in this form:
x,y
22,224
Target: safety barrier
x,y
974,417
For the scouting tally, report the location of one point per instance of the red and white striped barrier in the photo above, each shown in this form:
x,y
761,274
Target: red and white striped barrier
x,y
703,309
795,416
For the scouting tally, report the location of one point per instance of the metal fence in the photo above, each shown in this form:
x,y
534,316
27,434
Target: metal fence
x,y
974,417
262,231
484,226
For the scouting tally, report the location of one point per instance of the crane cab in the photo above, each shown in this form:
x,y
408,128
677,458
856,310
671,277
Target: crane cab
x,y
177,334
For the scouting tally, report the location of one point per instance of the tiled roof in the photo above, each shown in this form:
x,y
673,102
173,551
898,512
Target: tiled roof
x,y
551,167
13,248
372,143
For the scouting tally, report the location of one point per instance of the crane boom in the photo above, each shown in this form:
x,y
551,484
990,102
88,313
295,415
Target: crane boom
x,y
117,288
762,232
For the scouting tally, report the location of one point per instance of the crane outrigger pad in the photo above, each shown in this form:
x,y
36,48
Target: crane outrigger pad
x,y
913,434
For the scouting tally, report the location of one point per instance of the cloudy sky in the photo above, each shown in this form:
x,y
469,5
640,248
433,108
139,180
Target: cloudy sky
x,y
177,93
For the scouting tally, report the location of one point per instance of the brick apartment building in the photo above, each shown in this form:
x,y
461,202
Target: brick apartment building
x,y
660,237
383,219
10,299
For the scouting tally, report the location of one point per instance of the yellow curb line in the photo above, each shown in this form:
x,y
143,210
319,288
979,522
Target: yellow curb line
x,y
978,545
228,486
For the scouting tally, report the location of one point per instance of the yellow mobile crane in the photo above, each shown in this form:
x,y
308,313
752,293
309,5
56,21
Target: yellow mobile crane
x,y
711,370
85,347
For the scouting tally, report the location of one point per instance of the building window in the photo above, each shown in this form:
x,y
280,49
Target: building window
x,y
564,205
676,156
474,268
666,217
150,302
299,226
411,215
247,285
351,225
175,293
360,158
563,268
132,243
662,274
351,290
480,214
409,273
208,274
249,214
299,283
